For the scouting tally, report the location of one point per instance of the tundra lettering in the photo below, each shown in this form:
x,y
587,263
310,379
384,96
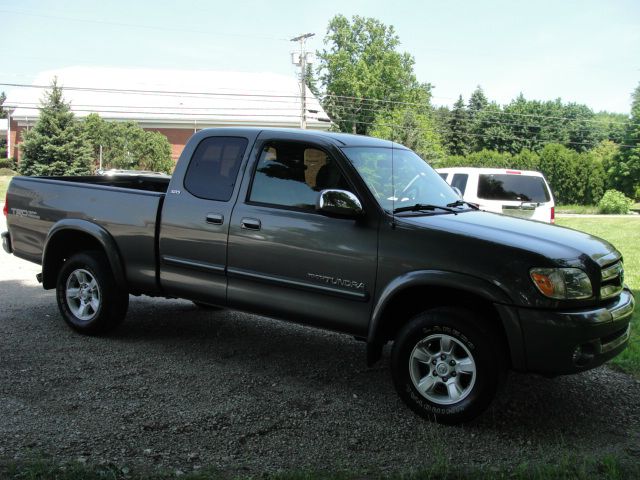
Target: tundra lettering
x,y
336,281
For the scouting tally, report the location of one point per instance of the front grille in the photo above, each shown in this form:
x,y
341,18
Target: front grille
x,y
612,281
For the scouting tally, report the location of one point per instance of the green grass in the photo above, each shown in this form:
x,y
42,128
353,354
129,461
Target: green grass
x,y
566,467
581,209
624,234
4,184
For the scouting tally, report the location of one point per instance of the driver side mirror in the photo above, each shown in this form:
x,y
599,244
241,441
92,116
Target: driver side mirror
x,y
339,203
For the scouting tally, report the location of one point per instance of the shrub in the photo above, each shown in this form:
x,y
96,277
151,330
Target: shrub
x,y
7,172
614,201
8,163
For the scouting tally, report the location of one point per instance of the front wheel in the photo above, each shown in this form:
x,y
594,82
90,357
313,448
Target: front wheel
x,y
89,298
445,367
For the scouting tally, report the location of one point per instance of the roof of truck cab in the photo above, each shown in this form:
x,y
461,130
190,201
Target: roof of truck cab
x,y
338,139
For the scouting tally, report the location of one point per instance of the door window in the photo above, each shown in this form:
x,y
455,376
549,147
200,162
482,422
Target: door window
x,y
292,175
214,166
460,181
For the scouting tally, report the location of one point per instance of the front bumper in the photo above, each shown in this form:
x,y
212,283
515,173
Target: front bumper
x,y
558,343
6,242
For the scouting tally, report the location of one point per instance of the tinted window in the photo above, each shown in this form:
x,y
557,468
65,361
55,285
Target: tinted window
x,y
214,167
520,188
443,176
460,181
291,175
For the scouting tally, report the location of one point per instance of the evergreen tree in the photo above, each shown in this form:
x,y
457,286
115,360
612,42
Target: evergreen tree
x,y
3,141
3,97
477,102
478,119
457,134
626,171
56,145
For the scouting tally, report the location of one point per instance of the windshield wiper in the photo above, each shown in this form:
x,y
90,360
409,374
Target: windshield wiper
x,y
459,203
423,206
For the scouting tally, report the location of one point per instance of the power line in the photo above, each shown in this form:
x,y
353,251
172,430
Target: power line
x,y
148,27
213,109
180,107
267,97
342,109
345,106
296,114
576,125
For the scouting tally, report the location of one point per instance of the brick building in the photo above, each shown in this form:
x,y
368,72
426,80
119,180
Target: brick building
x,y
175,103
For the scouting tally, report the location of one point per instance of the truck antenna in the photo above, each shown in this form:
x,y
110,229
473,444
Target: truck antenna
x,y
393,188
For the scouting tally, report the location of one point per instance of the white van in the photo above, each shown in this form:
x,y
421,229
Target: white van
x,y
519,193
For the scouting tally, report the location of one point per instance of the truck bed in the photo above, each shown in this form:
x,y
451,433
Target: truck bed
x,y
125,206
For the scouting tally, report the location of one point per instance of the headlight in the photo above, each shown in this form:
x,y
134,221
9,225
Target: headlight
x,y
562,283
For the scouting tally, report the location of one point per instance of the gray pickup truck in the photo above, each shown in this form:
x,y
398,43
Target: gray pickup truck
x,y
342,232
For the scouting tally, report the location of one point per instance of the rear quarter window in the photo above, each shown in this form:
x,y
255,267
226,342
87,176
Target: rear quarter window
x,y
214,167
520,188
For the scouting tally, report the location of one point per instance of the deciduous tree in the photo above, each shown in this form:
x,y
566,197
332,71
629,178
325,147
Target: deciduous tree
x,y
125,145
362,73
626,172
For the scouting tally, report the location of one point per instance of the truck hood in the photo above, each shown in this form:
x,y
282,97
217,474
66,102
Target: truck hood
x,y
556,243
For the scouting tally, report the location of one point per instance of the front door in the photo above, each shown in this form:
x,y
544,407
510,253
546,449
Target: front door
x,y
286,259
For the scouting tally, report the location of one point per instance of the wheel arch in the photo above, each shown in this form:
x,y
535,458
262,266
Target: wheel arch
x,y
70,236
419,290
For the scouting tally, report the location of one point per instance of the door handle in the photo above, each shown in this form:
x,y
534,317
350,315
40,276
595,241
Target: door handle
x,y
250,224
215,218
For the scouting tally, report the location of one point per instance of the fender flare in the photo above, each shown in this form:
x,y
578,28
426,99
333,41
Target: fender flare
x,y
496,294
94,230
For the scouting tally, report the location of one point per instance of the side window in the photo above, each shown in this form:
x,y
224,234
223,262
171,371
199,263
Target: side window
x,y
214,167
460,181
443,176
291,175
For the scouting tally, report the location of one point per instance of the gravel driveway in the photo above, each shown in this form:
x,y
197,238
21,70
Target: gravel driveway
x,y
183,388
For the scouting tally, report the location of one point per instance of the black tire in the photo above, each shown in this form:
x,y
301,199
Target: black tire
x,y
207,306
451,394
112,301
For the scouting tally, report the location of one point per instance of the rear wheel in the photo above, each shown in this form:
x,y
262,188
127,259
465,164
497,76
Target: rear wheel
x,y
89,298
445,366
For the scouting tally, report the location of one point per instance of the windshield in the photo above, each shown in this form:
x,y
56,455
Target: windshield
x,y
415,181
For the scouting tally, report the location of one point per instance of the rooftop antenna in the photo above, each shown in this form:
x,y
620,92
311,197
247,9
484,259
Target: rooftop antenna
x,y
393,187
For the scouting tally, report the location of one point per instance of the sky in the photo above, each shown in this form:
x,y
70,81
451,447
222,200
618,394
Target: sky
x,y
580,51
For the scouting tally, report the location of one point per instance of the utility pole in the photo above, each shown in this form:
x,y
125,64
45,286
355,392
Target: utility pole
x,y
301,60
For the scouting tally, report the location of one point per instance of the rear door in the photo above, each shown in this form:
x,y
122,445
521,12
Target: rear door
x,y
286,259
197,212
